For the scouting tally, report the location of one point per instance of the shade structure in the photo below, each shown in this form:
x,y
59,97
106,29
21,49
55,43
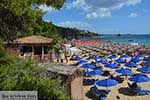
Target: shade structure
x,y
125,56
111,65
123,71
131,64
139,55
87,66
139,78
82,61
103,61
121,60
77,58
147,58
106,83
136,59
147,63
94,73
96,57
144,69
111,56
30,40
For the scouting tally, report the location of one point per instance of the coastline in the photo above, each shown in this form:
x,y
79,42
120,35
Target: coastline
x,y
123,38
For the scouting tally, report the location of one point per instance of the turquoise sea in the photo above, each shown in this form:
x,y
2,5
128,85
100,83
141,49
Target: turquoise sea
x,y
128,38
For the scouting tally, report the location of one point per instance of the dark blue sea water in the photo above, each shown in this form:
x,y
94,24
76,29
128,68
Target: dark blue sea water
x,y
140,39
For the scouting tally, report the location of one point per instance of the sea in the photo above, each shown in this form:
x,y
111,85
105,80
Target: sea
x,y
125,38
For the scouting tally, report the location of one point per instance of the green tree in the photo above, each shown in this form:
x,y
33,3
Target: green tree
x,y
23,17
4,58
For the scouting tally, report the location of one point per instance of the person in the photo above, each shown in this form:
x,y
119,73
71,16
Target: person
x,y
134,85
57,52
61,55
66,56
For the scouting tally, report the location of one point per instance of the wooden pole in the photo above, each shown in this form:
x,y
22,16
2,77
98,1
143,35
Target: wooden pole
x,y
32,52
42,52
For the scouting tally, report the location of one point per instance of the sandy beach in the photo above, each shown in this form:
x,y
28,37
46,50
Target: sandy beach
x,y
119,92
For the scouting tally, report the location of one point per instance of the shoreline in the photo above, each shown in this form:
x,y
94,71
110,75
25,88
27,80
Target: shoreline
x,y
123,38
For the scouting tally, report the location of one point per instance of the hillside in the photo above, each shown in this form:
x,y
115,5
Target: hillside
x,y
70,33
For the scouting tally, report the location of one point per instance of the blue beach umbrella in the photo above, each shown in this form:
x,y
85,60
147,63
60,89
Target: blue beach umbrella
x,y
139,78
106,83
125,56
112,65
120,60
144,69
103,61
136,59
131,64
112,56
96,57
87,66
94,73
147,58
123,71
77,58
82,61
139,55
146,63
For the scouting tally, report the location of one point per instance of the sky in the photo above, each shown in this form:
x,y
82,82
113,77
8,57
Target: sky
x,y
102,16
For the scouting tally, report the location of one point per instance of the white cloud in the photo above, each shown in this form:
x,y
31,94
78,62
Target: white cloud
x,y
133,15
46,8
75,24
101,8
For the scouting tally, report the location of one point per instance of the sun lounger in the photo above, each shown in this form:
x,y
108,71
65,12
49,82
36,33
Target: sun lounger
x,y
118,78
88,81
106,73
103,98
135,89
101,94
143,92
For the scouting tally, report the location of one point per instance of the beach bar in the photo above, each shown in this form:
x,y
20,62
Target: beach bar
x,y
71,76
34,47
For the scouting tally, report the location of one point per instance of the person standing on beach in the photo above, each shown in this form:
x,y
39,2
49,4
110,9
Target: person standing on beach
x,y
66,56
61,55
57,52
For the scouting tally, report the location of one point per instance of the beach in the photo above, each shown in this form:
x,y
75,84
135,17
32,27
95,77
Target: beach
x,y
103,50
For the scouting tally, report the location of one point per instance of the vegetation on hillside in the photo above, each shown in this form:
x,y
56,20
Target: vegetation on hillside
x,y
70,33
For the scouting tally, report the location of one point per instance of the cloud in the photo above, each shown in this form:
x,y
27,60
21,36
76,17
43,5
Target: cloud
x,y
75,24
100,8
46,8
133,15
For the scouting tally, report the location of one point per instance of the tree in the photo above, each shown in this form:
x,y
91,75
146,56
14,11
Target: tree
x,y
23,17
4,58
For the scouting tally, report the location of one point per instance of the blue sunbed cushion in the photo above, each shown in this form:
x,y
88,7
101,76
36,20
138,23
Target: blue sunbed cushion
x,y
103,98
143,92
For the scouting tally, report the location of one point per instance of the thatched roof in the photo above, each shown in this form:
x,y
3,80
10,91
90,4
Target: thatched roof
x,y
61,68
33,40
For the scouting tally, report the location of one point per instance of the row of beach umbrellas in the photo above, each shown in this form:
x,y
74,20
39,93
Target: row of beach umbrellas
x,y
139,78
